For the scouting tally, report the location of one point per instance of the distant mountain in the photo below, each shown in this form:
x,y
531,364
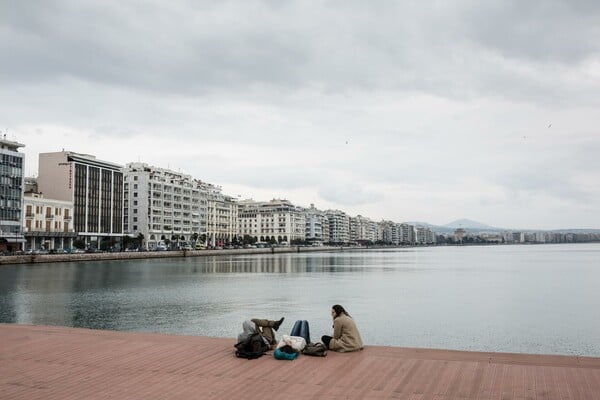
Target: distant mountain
x,y
468,224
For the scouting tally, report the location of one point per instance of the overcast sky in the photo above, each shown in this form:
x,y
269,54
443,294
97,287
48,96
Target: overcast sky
x,y
392,110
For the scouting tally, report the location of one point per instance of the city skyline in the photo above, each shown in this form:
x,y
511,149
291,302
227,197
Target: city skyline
x,y
403,113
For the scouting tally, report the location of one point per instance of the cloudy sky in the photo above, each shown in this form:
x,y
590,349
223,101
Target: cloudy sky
x,y
392,110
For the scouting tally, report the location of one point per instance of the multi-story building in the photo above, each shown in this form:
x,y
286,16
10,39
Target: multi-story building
x,y
424,235
94,187
48,223
339,226
273,221
389,232
362,229
222,216
407,234
163,206
12,164
317,226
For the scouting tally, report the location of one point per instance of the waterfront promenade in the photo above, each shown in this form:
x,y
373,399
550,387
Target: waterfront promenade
x,y
134,255
40,362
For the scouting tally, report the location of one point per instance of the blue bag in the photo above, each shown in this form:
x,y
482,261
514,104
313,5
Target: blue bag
x,y
282,355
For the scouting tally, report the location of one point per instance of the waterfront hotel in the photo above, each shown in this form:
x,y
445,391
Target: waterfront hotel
x,y
12,164
96,189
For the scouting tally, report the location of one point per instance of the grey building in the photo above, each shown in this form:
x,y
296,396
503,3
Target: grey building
x,y
96,189
12,164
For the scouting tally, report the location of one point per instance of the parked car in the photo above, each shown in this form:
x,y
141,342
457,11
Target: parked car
x,y
200,246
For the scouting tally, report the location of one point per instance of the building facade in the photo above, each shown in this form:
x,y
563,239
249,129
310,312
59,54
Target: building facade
x,y
96,189
276,221
163,206
317,226
222,217
48,223
12,165
339,226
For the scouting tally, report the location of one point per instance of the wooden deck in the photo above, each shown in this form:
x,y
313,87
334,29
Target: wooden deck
x,y
39,362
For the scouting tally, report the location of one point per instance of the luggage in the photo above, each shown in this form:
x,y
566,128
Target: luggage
x,y
252,347
315,349
301,329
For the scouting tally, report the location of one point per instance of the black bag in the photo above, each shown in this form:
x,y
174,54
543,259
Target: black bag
x,y
315,349
252,347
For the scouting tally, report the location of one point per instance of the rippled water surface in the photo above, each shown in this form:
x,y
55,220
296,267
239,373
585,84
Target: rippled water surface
x,y
531,299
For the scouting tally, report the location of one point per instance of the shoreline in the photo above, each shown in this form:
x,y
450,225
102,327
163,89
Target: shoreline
x,y
134,255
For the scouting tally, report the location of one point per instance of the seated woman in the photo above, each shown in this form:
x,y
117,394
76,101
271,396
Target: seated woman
x,y
345,333
264,326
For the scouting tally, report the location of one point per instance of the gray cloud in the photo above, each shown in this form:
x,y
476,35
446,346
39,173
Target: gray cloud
x,y
363,105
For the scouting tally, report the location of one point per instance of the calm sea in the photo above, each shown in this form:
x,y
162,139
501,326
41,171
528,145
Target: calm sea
x,y
527,298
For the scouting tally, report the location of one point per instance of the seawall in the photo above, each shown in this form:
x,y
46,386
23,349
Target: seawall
x,y
52,258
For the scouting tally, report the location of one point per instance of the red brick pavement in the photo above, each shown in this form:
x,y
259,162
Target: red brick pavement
x,y
40,362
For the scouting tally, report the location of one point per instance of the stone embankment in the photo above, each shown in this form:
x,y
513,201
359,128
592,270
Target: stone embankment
x,y
51,258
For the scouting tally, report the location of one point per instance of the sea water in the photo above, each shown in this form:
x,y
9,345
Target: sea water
x,y
505,298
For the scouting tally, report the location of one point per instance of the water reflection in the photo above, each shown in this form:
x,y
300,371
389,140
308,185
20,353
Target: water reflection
x,y
522,299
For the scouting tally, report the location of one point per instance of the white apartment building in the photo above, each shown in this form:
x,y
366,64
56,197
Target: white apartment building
x,y
94,187
222,216
424,235
389,232
317,226
362,229
12,165
48,223
407,234
276,220
163,205
339,226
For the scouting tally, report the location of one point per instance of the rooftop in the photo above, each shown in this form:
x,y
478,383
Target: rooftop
x,y
40,362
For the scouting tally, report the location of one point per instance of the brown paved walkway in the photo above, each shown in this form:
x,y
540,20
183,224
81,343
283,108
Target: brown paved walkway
x,y
38,362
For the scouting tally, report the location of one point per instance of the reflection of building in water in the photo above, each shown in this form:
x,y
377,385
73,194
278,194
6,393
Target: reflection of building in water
x,y
273,221
47,297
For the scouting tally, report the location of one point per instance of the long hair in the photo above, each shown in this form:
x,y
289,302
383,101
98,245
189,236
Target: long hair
x,y
339,310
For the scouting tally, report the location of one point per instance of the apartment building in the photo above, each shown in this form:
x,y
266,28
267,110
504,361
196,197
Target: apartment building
x,y
12,165
222,216
95,188
273,221
362,229
48,223
339,226
317,226
163,206
424,235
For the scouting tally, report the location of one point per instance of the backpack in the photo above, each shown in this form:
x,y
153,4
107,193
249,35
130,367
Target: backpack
x,y
252,347
315,349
